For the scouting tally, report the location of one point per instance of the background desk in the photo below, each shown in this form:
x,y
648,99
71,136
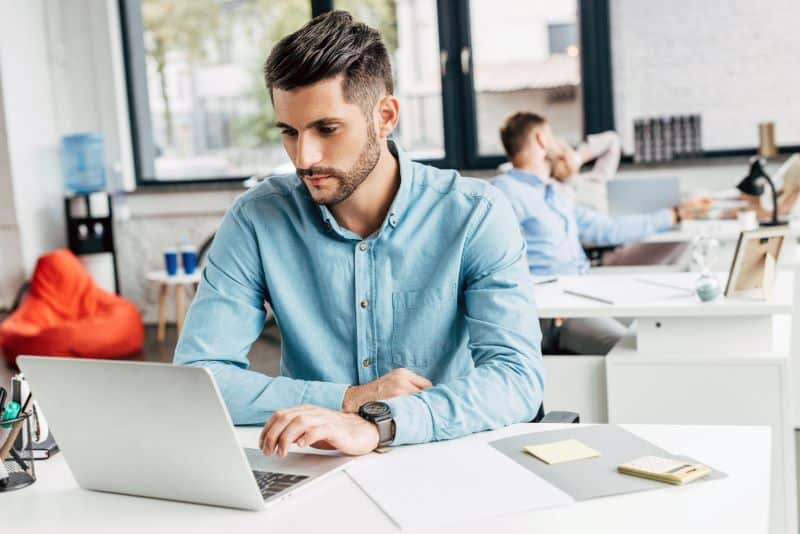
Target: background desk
x,y
738,503
694,363
725,230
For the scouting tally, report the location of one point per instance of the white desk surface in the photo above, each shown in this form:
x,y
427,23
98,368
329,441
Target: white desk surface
x,y
721,229
551,301
738,503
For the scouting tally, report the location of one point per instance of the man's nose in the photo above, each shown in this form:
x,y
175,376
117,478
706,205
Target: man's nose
x,y
309,151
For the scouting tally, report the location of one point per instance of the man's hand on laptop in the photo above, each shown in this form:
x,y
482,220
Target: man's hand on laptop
x,y
397,383
321,428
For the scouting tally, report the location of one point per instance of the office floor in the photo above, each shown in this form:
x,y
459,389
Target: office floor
x,y
264,357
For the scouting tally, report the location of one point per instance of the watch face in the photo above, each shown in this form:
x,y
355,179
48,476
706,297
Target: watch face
x,y
375,409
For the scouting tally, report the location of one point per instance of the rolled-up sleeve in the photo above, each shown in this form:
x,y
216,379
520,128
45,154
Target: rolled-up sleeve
x,y
227,316
507,383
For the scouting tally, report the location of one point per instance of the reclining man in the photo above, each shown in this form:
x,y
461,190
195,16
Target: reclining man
x,y
588,187
401,291
554,228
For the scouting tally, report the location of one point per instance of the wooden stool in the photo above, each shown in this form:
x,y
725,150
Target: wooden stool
x,y
179,281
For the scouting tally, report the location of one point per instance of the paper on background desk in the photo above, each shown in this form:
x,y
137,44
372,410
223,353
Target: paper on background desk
x,y
628,289
439,484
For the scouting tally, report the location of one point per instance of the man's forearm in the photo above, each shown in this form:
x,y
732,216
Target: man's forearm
x,y
252,397
506,391
397,383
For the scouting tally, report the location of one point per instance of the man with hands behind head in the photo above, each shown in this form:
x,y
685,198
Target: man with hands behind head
x,y
555,228
401,291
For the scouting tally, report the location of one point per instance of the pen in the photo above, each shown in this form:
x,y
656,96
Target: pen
x,y
664,284
590,297
545,281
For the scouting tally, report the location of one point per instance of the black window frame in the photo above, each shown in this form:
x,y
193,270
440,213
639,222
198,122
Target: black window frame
x,y
458,96
132,28
459,112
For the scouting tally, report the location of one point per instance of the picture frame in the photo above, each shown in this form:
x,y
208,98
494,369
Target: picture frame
x,y
753,270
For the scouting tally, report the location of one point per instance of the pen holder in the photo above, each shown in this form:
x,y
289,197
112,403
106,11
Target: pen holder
x,y
17,463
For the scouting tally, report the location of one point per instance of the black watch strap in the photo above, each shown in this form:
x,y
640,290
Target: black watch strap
x,y
380,414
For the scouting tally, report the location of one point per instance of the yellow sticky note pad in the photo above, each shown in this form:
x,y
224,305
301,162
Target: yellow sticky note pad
x,y
561,451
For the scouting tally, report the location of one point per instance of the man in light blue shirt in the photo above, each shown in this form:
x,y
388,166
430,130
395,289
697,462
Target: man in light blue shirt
x,y
399,289
555,228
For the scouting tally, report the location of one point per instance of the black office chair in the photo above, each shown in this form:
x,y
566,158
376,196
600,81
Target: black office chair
x,y
556,417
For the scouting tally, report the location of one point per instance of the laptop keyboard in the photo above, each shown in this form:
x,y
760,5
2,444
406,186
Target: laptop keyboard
x,y
271,484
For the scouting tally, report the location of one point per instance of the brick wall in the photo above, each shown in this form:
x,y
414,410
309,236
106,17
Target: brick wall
x,y
733,61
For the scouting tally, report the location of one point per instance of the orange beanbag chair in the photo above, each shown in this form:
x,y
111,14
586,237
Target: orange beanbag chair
x,y
66,314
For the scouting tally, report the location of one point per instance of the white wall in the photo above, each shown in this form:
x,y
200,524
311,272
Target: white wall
x,y
732,61
30,170
86,64
61,72
11,271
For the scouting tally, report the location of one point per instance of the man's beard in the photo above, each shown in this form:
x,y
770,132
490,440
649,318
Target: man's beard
x,y
348,181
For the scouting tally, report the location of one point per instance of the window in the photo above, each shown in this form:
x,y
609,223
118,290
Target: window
x,y
199,101
411,33
525,57
734,64
199,110
563,39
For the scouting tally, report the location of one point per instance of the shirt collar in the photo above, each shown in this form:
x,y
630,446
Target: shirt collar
x,y
530,178
401,199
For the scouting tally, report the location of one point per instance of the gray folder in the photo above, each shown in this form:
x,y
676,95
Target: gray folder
x,y
592,477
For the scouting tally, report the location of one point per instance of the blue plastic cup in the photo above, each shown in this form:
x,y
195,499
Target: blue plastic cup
x,y
171,261
189,258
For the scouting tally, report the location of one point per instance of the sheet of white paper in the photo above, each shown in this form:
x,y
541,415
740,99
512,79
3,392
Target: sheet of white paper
x,y
628,290
434,485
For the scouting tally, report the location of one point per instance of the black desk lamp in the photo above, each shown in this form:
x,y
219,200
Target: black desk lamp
x,y
750,186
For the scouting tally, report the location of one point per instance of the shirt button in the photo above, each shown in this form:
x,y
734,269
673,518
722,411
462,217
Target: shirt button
x,y
366,362
392,220
364,303
362,246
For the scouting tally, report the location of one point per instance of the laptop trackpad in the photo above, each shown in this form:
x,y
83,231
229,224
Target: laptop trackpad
x,y
297,463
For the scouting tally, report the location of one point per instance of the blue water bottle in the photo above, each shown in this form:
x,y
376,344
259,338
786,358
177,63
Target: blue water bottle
x,y
84,163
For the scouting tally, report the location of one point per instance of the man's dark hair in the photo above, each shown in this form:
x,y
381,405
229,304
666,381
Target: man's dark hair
x,y
515,131
328,45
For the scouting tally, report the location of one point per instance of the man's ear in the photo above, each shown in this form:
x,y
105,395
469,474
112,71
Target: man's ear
x,y
388,113
541,140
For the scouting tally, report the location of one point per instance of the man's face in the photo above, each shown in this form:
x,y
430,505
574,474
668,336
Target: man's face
x,y
329,140
563,163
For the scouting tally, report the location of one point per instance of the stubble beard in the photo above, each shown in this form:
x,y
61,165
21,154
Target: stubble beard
x,y
348,181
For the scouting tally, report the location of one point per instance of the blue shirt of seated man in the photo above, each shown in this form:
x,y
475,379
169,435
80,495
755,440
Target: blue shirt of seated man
x,y
441,288
555,227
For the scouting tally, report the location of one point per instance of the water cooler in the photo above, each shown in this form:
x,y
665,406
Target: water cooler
x,y
90,235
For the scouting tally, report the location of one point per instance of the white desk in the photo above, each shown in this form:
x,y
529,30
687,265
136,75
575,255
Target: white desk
x,y
725,230
790,260
738,503
687,362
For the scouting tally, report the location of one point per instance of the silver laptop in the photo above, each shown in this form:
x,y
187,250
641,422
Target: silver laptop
x,y
162,431
629,196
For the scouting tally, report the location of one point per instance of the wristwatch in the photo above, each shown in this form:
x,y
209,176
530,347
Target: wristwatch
x,y
380,414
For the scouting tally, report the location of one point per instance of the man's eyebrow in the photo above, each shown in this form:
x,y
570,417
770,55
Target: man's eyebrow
x,y
318,122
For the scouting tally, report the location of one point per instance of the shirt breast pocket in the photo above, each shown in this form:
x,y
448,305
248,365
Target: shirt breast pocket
x,y
421,326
